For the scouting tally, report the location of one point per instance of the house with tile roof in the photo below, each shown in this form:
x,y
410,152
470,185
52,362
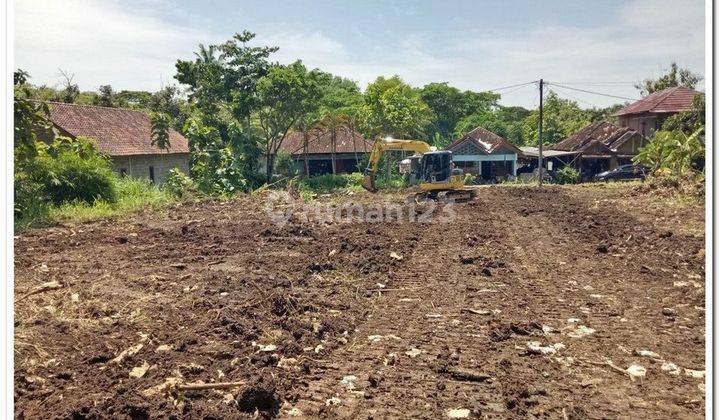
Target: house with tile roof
x,y
486,155
125,135
648,114
599,147
324,152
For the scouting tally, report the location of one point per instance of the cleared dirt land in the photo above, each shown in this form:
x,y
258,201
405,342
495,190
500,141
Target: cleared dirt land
x,y
563,302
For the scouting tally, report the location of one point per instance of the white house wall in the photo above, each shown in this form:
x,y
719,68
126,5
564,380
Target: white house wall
x,y
481,158
506,157
138,166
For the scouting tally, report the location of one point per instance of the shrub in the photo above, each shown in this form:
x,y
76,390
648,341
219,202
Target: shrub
x,y
674,151
664,182
567,175
395,181
328,183
180,184
285,164
72,170
132,195
469,179
30,201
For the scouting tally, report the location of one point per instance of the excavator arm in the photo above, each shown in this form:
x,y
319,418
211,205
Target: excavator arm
x,y
382,145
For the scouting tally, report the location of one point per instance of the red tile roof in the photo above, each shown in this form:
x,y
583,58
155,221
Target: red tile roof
x,y
486,140
118,131
320,142
604,132
670,100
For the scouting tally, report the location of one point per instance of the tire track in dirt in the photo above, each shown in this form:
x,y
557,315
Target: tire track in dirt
x,y
550,273
396,351
457,314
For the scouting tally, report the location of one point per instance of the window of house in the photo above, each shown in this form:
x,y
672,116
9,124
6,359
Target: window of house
x,y
152,174
123,172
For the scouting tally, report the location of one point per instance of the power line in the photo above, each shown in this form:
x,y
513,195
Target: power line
x,y
563,92
515,90
599,83
594,93
509,87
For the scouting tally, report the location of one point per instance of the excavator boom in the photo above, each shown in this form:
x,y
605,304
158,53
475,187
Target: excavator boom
x,y
380,146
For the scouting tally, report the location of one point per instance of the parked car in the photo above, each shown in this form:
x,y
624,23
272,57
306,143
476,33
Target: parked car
x,y
621,173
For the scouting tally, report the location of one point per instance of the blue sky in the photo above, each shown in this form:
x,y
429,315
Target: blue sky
x,y
478,45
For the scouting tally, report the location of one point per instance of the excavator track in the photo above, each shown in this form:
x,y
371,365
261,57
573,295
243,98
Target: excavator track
x,y
455,196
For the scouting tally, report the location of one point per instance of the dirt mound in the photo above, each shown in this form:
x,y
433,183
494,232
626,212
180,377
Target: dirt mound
x,y
261,397
690,185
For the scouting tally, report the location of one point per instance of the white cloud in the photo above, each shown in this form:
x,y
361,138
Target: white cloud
x,y
635,46
99,42
103,43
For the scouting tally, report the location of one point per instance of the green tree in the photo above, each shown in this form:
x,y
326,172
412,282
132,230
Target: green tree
x,y
135,99
30,117
393,108
284,96
106,96
606,114
561,117
168,100
448,106
339,109
160,126
487,120
70,90
513,116
476,102
674,151
674,77
688,121
222,81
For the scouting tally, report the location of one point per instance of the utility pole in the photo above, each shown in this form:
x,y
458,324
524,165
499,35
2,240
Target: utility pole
x,y
540,142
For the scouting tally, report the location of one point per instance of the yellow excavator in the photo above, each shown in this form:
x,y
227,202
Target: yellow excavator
x,y
432,170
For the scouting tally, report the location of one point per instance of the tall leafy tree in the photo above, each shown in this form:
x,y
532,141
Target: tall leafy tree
x,y
284,96
480,101
339,110
675,76
561,117
448,105
507,122
222,85
600,114
135,99
30,117
160,126
391,107
106,96
488,120
169,101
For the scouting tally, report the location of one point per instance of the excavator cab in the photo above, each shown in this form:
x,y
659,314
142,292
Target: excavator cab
x,y
435,167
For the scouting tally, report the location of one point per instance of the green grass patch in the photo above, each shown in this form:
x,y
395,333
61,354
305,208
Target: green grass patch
x,y
310,187
131,195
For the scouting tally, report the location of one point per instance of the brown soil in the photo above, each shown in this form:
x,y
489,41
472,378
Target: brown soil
x,y
318,318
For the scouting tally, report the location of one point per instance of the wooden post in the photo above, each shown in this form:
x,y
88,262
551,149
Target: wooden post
x,y
540,142
305,152
333,139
